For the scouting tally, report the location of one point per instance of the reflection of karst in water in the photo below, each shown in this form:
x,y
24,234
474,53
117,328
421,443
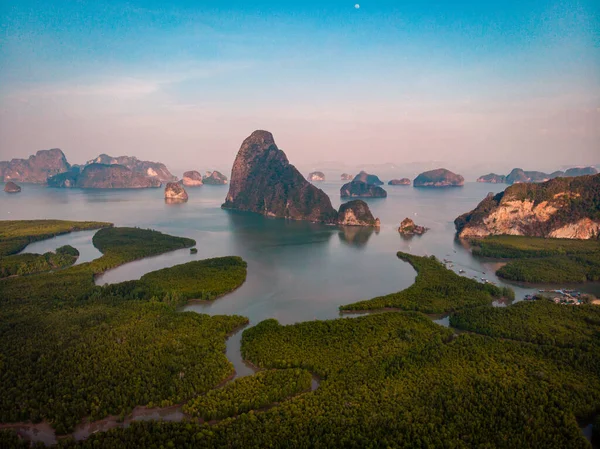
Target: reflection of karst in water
x,y
174,201
254,231
356,236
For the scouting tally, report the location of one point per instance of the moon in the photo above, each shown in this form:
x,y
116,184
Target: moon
x,y
357,6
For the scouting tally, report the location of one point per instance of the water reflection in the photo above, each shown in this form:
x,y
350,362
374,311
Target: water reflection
x,y
174,201
251,230
357,236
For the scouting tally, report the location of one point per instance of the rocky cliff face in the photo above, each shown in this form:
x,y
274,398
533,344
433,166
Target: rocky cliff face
x,y
356,213
400,182
192,179
316,176
215,178
492,178
36,169
100,176
175,192
140,168
358,189
263,181
561,208
11,187
368,179
439,178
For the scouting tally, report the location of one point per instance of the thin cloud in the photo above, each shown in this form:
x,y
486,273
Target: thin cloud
x,y
126,86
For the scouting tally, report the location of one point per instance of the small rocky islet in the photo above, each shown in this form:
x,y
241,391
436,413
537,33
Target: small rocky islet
x,y
11,187
214,178
408,228
192,178
400,182
357,213
316,176
174,192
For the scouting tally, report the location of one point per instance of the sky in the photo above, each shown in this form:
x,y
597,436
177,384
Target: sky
x,y
492,84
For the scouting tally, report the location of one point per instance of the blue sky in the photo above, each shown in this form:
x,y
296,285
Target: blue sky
x,y
508,82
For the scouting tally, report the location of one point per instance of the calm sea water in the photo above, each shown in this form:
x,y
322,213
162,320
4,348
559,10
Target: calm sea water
x,y
297,271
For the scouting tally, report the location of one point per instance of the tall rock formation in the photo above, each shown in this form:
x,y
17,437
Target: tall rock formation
x,y
439,178
36,169
560,208
263,181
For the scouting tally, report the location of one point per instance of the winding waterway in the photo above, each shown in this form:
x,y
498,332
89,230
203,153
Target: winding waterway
x,y
297,271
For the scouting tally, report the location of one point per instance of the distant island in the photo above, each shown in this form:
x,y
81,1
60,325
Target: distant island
x,y
400,182
192,179
36,169
155,170
518,175
51,167
263,181
359,189
559,208
346,177
11,187
174,192
214,178
367,178
408,228
101,176
439,178
492,178
316,176
357,213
